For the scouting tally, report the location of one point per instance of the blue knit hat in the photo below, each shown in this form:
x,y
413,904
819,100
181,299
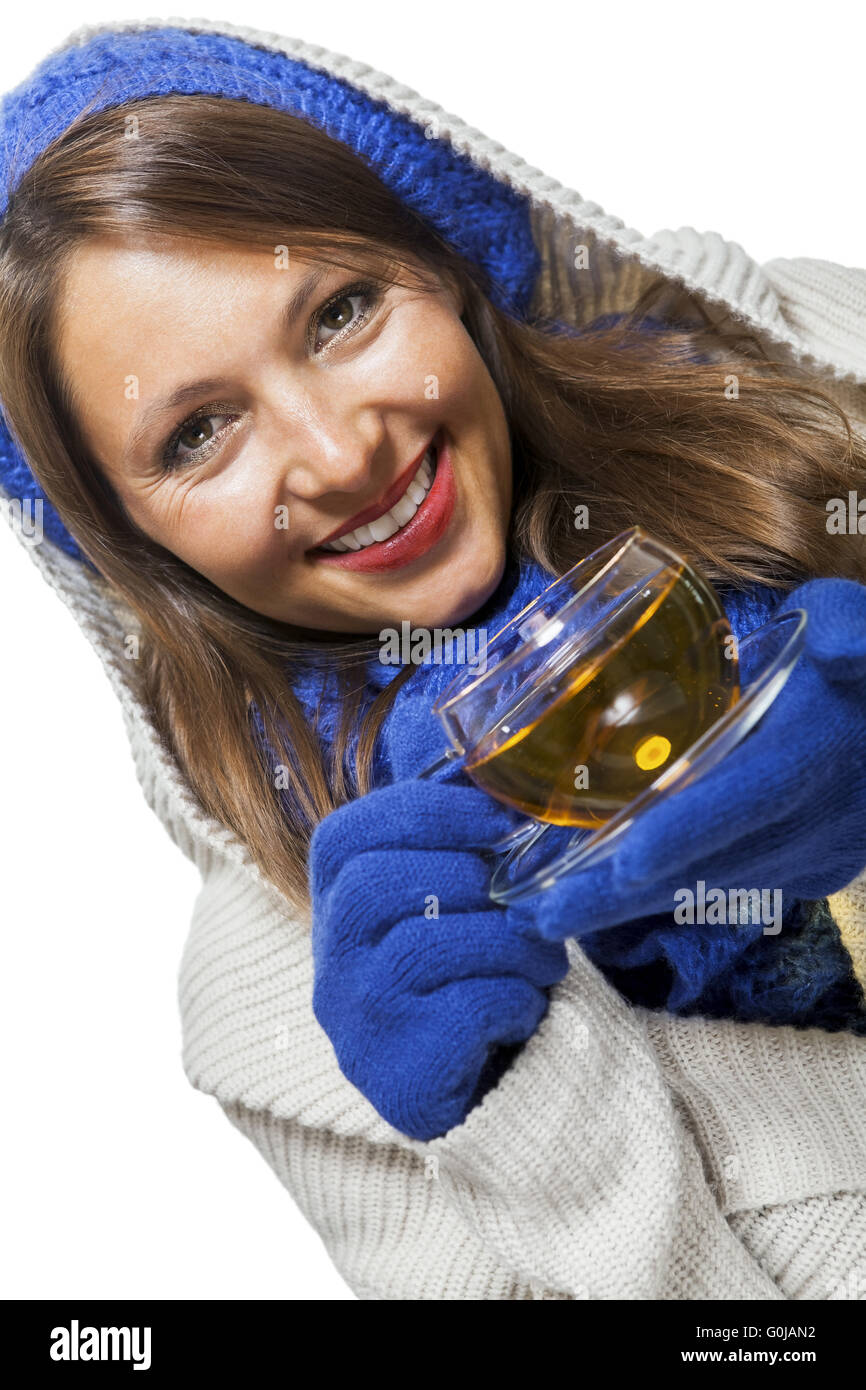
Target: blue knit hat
x,y
483,218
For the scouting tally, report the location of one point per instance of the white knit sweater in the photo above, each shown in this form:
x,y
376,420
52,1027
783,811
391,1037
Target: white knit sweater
x,y
625,1153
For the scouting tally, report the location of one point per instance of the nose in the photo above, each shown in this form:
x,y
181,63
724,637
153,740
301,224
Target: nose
x,y
326,456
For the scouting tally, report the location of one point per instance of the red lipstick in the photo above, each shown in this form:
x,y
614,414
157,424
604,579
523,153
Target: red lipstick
x,y
385,503
414,539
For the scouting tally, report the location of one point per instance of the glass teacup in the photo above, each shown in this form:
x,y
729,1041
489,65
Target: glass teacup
x,y
620,683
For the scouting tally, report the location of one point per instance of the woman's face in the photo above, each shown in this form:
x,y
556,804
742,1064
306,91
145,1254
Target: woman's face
x,y
292,429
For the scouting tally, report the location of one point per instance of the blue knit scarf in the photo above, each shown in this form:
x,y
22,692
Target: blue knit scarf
x,y
802,976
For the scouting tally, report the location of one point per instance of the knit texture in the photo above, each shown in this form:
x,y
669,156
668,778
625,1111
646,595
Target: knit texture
x,y
424,986
606,1163
484,219
803,975
627,1153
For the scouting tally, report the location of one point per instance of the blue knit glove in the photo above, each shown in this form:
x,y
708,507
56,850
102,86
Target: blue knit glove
x,y
424,986
785,810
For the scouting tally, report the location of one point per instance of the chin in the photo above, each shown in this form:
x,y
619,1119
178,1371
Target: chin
x,y
479,582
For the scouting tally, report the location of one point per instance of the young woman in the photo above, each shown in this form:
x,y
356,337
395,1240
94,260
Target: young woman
x,y
293,368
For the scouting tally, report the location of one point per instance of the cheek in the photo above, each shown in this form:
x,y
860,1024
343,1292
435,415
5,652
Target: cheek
x,y
226,532
424,356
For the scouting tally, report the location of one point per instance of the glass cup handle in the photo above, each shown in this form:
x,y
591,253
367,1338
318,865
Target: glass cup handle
x,y
526,832
449,757
521,832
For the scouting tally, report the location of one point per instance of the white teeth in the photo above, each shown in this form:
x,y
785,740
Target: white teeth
x,y
384,526
405,509
400,514
416,492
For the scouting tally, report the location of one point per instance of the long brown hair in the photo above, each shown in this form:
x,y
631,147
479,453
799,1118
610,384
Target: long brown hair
x,y
636,425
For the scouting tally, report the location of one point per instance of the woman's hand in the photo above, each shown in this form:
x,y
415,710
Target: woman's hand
x,y
419,976
784,810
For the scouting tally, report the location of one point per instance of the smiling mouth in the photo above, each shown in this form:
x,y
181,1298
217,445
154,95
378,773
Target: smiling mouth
x,y
387,521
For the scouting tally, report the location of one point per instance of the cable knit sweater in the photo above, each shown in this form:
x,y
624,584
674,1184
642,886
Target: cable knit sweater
x,y
626,1153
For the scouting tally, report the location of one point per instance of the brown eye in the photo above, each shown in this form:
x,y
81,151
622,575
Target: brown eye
x,y
198,432
345,313
339,313
191,442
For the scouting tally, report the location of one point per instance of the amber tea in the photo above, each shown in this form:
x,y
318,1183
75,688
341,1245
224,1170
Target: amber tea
x,y
588,737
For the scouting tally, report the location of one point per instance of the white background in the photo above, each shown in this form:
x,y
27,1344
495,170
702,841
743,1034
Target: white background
x,y
118,1179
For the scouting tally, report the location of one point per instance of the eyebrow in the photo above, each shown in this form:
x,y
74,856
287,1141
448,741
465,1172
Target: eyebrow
x,y
211,386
